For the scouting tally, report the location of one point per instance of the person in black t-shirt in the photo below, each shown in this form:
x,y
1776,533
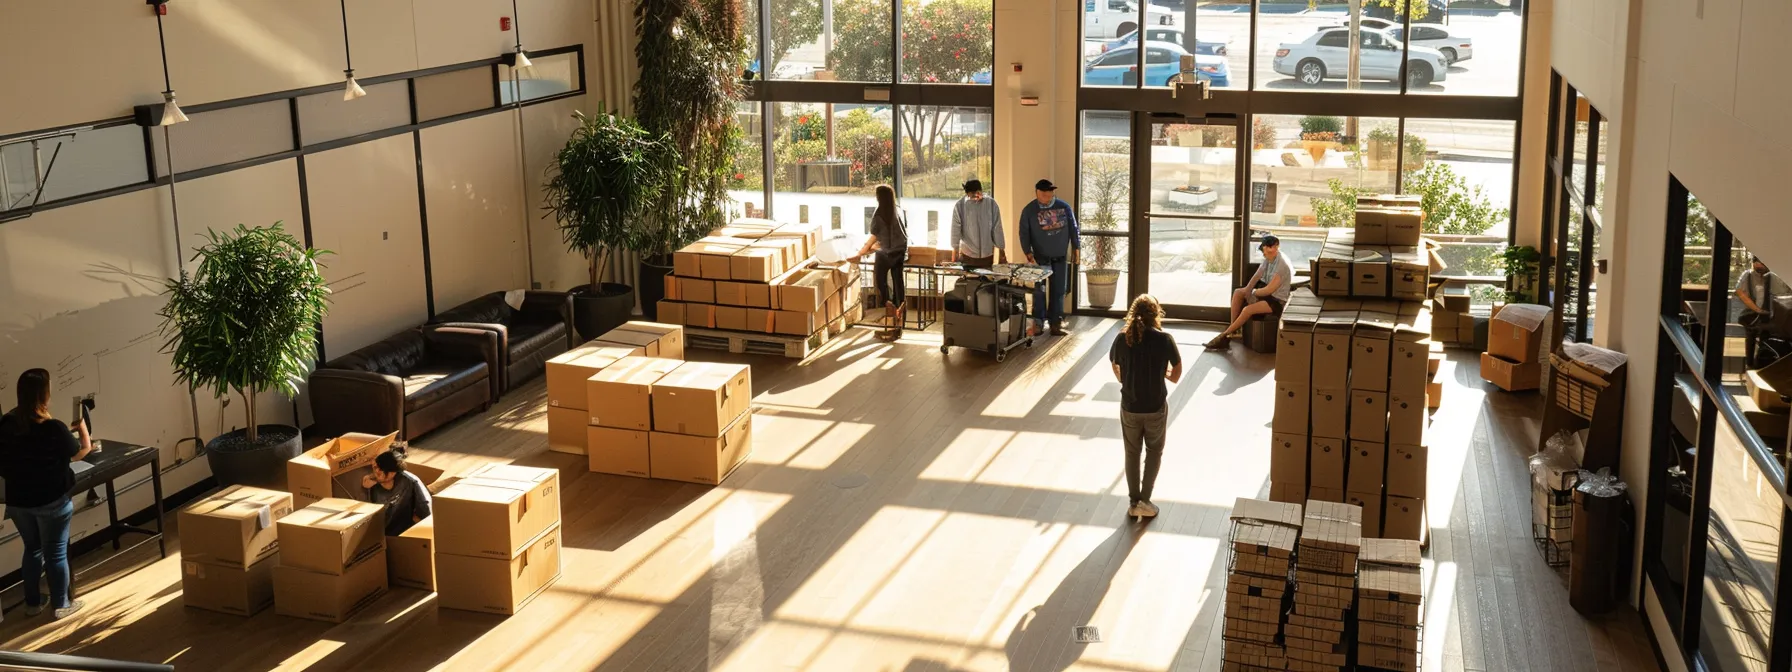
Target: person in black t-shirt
x,y
1144,357
35,452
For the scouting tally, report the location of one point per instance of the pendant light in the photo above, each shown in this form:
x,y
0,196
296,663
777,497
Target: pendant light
x,y
350,88
171,113
519,61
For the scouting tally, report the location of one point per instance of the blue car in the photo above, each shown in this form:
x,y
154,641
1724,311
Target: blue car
x,y
1203,45
1163,60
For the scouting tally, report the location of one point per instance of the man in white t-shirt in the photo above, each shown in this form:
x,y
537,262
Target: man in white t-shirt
x,y
1251,300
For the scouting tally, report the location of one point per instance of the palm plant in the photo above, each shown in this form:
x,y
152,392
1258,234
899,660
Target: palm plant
x,y
602,183
245,321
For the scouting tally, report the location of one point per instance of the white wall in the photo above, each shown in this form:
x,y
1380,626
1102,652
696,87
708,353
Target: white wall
x,y
1038,141
364,209
545,129
473,182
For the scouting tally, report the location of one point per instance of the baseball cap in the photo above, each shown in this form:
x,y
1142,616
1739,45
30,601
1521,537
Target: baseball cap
x,y
1045,185
973,185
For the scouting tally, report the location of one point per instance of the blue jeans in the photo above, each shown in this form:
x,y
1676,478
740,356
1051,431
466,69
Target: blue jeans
x,y
1051,308
44,531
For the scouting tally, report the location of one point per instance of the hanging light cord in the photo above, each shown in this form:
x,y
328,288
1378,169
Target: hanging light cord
x,y
163,41
347,59
516,24
167,143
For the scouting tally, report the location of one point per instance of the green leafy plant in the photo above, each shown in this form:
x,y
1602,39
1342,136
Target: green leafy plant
x,y
245,320
1332,125
1419,9
1263,135
1520,262
942,41
1105,184
1384,133
603,182
691,53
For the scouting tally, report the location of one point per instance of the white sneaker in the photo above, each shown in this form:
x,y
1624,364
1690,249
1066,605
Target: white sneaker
x,y
1137,510
69,610
31,610
1147,509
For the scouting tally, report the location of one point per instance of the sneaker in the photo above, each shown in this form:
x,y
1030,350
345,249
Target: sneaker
x,y
1058,330
65,612
1148,509
33,609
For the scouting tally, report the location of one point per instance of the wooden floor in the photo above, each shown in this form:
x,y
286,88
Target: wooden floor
x,y
905,511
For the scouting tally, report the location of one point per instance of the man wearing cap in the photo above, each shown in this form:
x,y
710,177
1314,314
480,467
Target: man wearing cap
x,y
1049,236
1276,277
977,227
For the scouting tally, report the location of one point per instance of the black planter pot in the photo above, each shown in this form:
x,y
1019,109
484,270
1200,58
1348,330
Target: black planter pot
x,y
235,461
596,313
653,284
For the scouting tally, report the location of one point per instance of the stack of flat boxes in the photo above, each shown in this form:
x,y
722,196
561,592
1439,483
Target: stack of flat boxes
x,y
1390,604
229,546
759,276
497,538
1325,570
1261,561
332,560
569,409
1450,319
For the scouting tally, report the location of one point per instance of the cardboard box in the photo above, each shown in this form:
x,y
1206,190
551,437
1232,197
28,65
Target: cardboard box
x,y
795,322
1331,277
1370,352
669,337
1509,337
1331,354
1408,365
1404,518
1509,375
568,371
331,535
700,459
411,557
334,468
1405,226
745,229
1326,465
709,254
1371,226
835,307
1406,418
618,451
1392,636
1408,280
566,430
1369,278
233,528
230,589
790,252
330,598
1330,408
1290,493
1368,415
623,392
494,511
696,290
701,398
757,263
671,311
1368,464
1406,470
1293,401
1371,505
760,320
743,294
499,585
1386,658
1288,458
1765,396
732,318
808,236
1317,493
700,315
805,291
1294,355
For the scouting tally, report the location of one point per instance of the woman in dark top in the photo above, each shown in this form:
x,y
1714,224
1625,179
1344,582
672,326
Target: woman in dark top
x,y
35,452
889,236
1144,357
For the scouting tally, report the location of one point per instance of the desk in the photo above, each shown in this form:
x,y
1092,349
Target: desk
x,y
111,462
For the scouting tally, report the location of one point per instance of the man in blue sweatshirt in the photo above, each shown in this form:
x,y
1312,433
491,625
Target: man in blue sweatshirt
x,y
1049,237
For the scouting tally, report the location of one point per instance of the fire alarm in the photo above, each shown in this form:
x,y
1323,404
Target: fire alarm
x,y
1017,67
504,24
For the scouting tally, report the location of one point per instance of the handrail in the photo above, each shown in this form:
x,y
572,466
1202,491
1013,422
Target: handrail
x,y
21,660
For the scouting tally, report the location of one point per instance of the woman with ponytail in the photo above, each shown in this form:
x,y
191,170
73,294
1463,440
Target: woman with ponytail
x,y
1144,357
35,452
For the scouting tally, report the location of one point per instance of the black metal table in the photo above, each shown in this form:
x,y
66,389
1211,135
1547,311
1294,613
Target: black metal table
x,y
113,460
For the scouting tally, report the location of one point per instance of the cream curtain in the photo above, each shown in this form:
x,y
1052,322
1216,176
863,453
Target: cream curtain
x,y
611,70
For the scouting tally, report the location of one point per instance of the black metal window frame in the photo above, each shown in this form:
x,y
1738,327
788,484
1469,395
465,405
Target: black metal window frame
x,y
1562,198
1678,347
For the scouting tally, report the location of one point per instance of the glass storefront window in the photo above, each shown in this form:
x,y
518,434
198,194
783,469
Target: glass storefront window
x,y
845,40
1310,51
1314,166
1478,47
746,184
942,147
827,159
948,41
1742,561
1463,168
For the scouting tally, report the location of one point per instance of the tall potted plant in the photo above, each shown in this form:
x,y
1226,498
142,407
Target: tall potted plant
x,y
243,323
598,189
691,54
1105,179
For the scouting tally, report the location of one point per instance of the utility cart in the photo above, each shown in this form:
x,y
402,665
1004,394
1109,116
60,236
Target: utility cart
x,y
987,311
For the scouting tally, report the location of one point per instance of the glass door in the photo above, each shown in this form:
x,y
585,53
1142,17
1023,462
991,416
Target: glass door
x,y
1187,194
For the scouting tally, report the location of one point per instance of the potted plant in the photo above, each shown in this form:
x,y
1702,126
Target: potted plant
x,y
1384,147
245,322
1319,134
1105,177
598,189
1521,267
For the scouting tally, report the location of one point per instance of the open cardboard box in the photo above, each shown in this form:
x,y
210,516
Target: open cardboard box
x,y
410,557
334,468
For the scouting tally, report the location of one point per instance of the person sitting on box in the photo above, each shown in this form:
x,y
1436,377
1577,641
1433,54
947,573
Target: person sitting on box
x,y
1250,300
977,228
400,491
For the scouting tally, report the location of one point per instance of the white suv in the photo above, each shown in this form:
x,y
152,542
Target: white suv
x,y
1108,19
1326,55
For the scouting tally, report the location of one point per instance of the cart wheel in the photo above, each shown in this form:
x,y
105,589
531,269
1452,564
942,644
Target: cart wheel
x,y
949,343
943,349
1000,355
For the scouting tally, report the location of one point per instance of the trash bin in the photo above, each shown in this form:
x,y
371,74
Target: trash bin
x,y
1599,546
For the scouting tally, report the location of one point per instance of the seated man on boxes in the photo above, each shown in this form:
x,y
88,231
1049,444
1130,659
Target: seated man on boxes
x,y
401,492
1276,278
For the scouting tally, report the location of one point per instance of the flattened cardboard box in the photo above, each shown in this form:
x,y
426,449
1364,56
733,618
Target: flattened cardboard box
x,y
1257,537
1310,577
618,451
700,459
1260,565
312,475
701,398
1392,636
1393,613
1316,657
1334,627
1314,634
495,510
1255,653
410,557
1323,595
624,391
235,527
327,597
1257,586
568,371
1392,552
1319,613
1386,658
331,535
1253,608
239,591
1249,630
499,585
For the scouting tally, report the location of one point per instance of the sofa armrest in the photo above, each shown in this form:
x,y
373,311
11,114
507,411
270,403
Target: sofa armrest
x,y
345,401
502,370
550,306
472,344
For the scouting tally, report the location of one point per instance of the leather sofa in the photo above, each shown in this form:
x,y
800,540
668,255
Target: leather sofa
x,y
527,337
411,383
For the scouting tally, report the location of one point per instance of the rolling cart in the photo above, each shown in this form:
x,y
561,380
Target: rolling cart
x,y
987,310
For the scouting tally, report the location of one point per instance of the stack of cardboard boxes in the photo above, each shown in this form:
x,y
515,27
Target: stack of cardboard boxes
x,y
1513,360
1450,319
1325,569
411,556
334,468
759,276
1264,535
229,546
497,536
683,421
1389,605
332,560
569,409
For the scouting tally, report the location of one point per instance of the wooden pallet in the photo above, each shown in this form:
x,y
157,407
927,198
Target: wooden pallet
x,y
751,342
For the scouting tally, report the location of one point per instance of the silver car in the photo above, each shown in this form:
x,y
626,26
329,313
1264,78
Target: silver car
x,y
1326,55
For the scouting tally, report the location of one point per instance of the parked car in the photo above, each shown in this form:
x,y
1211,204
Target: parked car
x,y
1368,22
1163,60
1439,12
1326,55
1203,44
1455,49
1108,19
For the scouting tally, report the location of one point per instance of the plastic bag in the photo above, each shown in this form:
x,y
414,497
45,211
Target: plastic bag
x,y
1602,484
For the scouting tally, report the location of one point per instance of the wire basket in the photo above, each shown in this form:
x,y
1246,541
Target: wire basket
x,y
1552,520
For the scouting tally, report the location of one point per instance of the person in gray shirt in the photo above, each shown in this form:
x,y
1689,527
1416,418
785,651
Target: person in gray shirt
x,y
889,237
977,228
400,491
1251,300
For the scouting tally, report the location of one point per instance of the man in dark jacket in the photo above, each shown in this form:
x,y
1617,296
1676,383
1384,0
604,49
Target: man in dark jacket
x,y
1049,236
